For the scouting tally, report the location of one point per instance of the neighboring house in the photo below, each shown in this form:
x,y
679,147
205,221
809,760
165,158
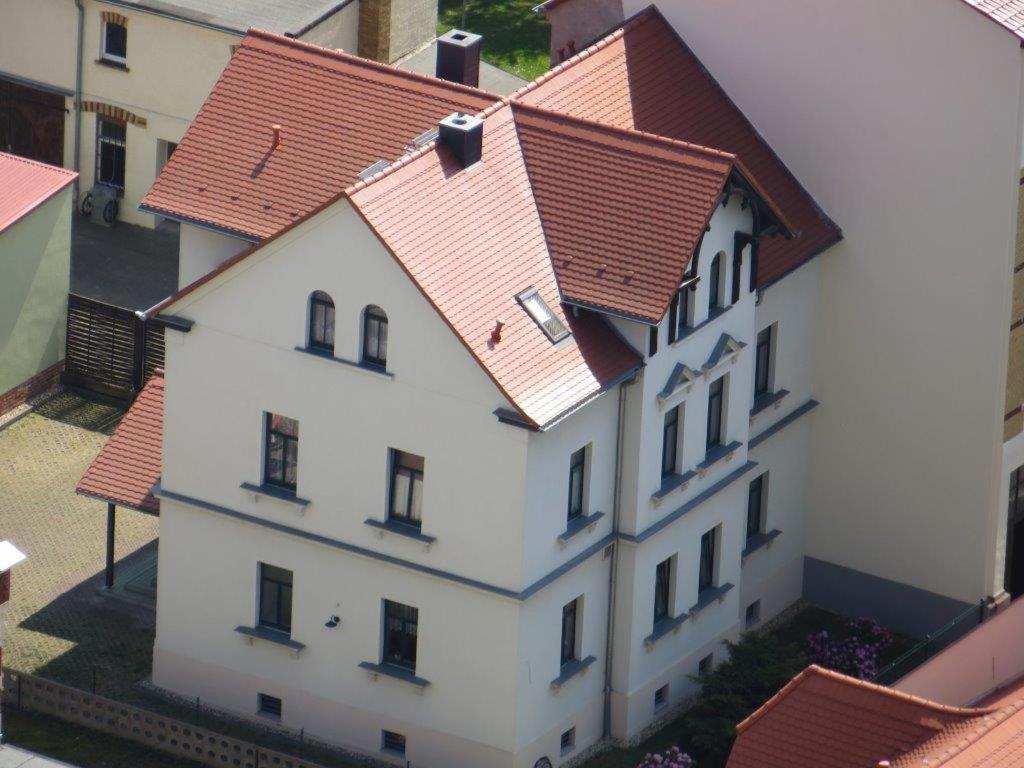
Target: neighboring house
x,y
108,87
875,107
509,405
962,709
10,556
35,265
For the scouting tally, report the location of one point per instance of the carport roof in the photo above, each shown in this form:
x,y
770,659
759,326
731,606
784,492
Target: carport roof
x,y
25,185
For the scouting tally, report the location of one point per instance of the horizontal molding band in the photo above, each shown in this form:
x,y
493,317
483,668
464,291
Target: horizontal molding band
x,y
782,423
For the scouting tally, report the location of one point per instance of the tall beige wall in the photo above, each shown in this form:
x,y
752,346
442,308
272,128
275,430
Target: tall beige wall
x,y
875,106
35,261
389,29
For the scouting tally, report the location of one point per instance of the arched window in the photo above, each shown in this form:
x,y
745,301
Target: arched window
x,y
375,337
321,322
715,283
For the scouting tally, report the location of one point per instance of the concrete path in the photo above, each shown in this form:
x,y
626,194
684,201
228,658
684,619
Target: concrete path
x,y
13,757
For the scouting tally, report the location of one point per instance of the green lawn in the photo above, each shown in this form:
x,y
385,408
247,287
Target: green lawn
x,y
515,38
80,746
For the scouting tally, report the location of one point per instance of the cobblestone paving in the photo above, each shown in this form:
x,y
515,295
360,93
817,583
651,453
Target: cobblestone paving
x,y
58,625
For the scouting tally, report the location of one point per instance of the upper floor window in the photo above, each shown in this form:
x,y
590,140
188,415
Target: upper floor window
x,y
652,342
115,42
706,572
756,498
541,313
577,483
401,624
763,363
321,322
275,598
406,488
281,452
679,310
662,590
110,152
670,442
716,395
375,337
715,283
570,630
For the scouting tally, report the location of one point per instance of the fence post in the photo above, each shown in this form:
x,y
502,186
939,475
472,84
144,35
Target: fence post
x,y
94,680
302,740
139,353
19,690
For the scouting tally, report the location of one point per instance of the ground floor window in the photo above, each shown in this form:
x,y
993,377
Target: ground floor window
x,y
275,598
111,138
401,623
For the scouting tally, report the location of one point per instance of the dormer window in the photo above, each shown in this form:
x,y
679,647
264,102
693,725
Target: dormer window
x,y
541,313
115,42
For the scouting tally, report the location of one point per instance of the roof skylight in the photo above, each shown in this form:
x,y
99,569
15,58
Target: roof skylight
x,y
541,313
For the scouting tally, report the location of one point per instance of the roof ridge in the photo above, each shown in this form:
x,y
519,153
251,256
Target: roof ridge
x,y
816,671
637,20
38,164
351,58
989,721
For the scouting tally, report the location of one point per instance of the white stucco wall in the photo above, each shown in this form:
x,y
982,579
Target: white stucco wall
x,y
913,335
201,250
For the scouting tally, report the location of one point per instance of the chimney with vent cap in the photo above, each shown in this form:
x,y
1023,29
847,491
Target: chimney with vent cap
x,y
464,136
458,57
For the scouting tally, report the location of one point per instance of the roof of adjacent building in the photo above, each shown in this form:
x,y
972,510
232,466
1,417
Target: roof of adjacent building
x,y
129,465
644,77
822,719
338,114
294,17
1007,13
25,185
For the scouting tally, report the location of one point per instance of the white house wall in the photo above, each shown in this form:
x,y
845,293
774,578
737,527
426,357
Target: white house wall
x,y
914,303
201,250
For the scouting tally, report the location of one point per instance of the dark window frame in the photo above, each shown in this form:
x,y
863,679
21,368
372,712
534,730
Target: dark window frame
x,y
570,630
413,467
577,490
567,741
716,413
288,441
117,145
105,53
706,566
706,665
661,696
756,503
763,362
752,614
679,310
320,331
670,443
271,706
400,635
652,341
375,346
715,284
279,618
663,591
393,742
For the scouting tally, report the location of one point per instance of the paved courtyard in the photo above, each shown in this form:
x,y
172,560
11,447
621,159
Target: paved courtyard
x,y
59,626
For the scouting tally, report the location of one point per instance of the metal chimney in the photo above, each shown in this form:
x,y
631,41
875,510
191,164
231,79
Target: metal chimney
x,y
458,57
464,136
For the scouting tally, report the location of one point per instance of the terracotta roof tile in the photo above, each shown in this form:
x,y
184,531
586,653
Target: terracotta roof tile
x,y
472,240
644,77
822,719
338,114
130,463
25,185
1007,13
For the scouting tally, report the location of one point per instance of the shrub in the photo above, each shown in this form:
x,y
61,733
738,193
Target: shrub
x,y
855,655
672,758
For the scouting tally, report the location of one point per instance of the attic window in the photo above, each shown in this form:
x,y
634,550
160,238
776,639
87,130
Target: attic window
x,y
541,313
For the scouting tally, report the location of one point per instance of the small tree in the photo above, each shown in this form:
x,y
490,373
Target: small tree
x,y
673,757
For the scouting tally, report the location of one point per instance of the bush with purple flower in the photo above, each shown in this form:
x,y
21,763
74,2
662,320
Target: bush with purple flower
x,y
671,758
856,654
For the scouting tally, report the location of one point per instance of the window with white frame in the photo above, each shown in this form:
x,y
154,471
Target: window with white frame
x,y
111,140
115,43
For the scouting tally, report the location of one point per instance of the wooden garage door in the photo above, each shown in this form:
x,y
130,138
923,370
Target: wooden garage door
x,y
31,123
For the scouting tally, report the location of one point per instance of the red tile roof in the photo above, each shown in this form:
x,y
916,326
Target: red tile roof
x,y
822,719
1007,13
339,114
472,239
130,463
644,77
25,185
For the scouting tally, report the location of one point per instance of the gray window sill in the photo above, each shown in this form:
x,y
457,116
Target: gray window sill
x,y
113,64
759,541
274,492
671,484
578,525
273,636
571,670
766,401
400,529
687,332
665,627
395,673
323,354
709,596
393,753
716,454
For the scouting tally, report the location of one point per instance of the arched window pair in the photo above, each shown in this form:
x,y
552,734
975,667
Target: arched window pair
x,y
374,351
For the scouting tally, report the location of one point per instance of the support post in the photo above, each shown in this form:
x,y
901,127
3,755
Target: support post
x,y
111,511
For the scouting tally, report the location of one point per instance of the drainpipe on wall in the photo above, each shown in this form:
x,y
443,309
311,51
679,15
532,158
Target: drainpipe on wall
x,y
613,569
78,92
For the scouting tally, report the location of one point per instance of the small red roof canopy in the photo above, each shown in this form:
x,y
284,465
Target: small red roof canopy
x,y
25,185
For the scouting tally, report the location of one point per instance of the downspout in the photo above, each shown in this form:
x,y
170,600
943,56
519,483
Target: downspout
x,y
613,569
78,92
